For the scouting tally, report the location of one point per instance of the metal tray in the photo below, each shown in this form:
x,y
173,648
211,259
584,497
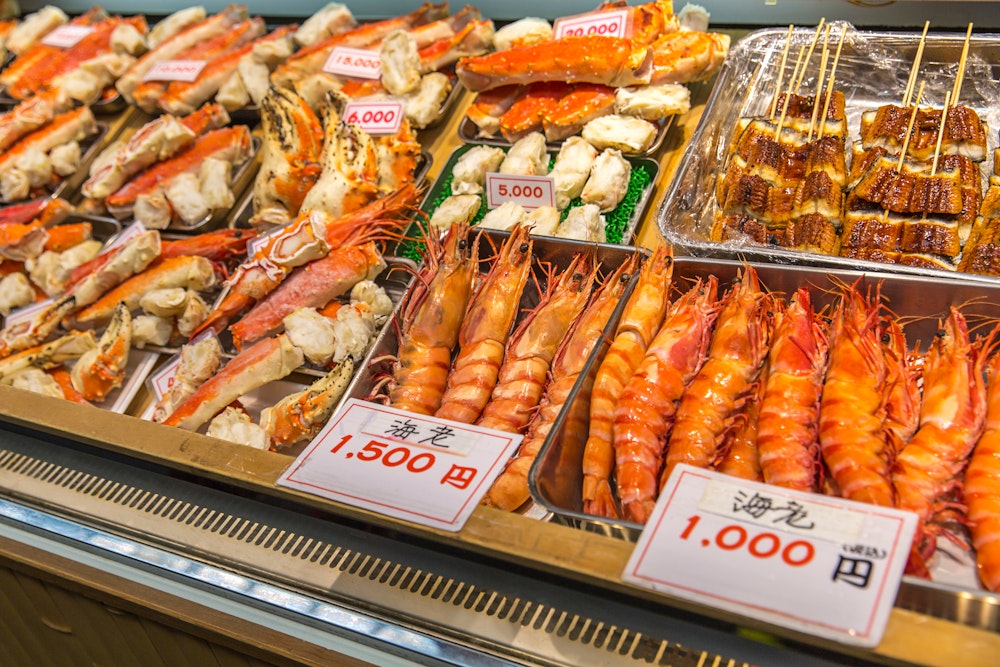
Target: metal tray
x,y
873,70
631,211
556,478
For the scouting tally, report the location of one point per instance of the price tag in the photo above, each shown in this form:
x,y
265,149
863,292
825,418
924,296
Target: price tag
x,y
826,566
26,314
528,191
375,117
606,24
175,70
66,36
160,382
126,235
358,63
421,469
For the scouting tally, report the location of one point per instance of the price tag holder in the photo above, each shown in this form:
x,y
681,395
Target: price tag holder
x,y
825,566
421,469
606,24
528,191
358,63
66,36
375,118
26,314
175,70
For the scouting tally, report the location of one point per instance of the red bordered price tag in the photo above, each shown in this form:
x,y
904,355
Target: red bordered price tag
x,y
421,469
528,191
161,381
375,117
359,63
66,36
26,314
175,70
605,24
821,565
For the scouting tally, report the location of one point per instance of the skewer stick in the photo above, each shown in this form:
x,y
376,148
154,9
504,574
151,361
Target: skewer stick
x,y
819,84
829,85
940,136
781,70
909,128
788,95
960,77
812,47
916,66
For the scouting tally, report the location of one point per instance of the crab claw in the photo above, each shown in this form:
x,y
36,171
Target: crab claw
x,y
300,416
101,370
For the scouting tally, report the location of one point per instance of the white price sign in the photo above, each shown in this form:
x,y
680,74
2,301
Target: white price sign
x,y
161,381
358,63
826,566
528,191
132,231
26,314
421,469
175,70
375,117
605,24
66,36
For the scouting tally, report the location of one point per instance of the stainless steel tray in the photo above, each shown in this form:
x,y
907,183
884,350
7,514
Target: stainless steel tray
x,y
556,478
873,70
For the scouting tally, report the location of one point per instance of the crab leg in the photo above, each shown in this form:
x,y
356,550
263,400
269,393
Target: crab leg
x,y
101,370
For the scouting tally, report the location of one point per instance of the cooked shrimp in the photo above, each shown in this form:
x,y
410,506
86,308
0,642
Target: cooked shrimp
x,y
648,402
788,424
982,487
739,455
902,403
484,333
641,319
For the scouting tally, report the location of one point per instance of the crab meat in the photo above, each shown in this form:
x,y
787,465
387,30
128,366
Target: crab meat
x,y
524,32
15,292
608,182
164,302
456,209
468,176
151,330
542,221
527,157
423,106
198,362
194,314
51,270
400,63
65,159
626,133
583,223
505,217
234,425
184,195
375,297
215,176
653,102
572,169
153,210
332,19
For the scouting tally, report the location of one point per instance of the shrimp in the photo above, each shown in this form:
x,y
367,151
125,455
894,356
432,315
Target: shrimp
x,y
982,487
735,355
430,322
646,407
641,319
902,404
852,405
533,345
739,455
484,333
788,424
952,416
510,490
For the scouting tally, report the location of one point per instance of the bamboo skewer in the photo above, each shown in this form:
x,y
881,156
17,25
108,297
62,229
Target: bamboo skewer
x,y
819,83
940,136
960,77
812,47
915,67
829,85
781,71
788,95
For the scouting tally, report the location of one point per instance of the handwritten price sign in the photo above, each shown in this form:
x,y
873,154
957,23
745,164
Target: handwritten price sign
x,y
607,24
358,63
528,191
175,70
66,36
826,566
375,117
426,470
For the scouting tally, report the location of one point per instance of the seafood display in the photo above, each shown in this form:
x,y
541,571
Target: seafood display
x,y
616,91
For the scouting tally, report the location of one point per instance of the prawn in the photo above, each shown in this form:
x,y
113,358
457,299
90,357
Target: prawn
x,y
982,487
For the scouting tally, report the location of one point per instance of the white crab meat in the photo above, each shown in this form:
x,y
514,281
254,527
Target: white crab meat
x,y
583,223
194,314
572,169
51,270
315,87
65,159
256,77
375,297
626,133
86,82
354,329
459,209
694,17
234,425
15,292
653,102
528,156
164,302
423,106
153,210
542,221
215,176
151,330
198,362
38,381
312,333
272,52
505,217
173,24
233,94
14,185
184,195
468,176
608,180
125,38
37,167
330,20
524,32
400,63
33,27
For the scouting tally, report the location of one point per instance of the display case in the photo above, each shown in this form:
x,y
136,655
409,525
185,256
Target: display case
x,y
128,542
